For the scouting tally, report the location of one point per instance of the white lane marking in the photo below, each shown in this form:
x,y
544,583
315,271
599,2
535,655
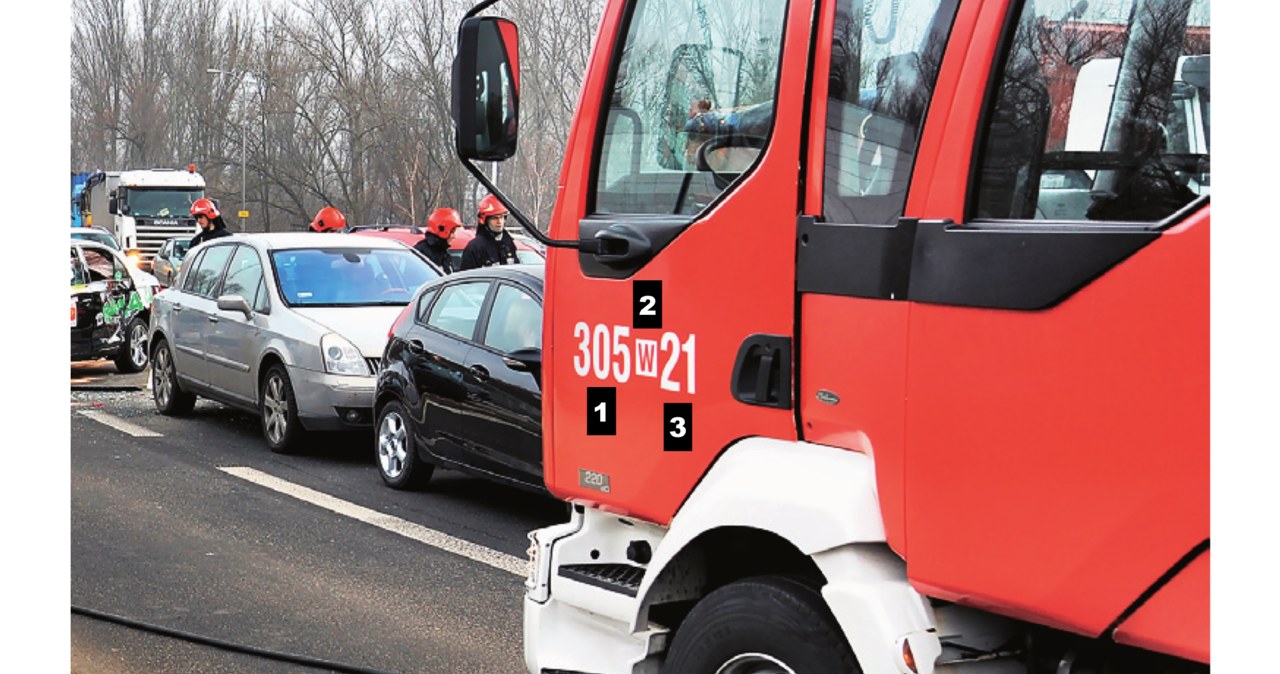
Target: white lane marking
x,y
120,424
417,532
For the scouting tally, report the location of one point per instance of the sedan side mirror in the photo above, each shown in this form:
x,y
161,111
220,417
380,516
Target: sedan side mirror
x,y
235,303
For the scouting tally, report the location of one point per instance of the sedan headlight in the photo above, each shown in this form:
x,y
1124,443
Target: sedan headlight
x,y
341,356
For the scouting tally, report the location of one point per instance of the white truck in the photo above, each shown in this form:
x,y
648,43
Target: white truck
x,y
143,208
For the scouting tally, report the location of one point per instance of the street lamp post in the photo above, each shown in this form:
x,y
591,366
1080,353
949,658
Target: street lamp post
x,y
243,133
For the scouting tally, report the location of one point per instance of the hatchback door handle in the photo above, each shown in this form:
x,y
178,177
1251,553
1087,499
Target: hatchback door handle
x,y
416,347
213,319
480,373
177,307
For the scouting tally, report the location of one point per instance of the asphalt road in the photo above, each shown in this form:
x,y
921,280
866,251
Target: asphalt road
x,y
191,526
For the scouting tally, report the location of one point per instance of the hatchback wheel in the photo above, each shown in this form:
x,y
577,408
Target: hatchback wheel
x,y
168,395
279,408
133,356
398,461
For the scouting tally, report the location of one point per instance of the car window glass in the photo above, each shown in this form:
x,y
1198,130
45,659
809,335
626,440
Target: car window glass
x,y
189,278
424,303
515,322
458,309
101,266
210,270
685,85
884,65
79,276
260,300
243,273
350,276
1101,114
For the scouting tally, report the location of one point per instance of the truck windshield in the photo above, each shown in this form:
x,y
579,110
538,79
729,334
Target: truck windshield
x,y
349,276
162,202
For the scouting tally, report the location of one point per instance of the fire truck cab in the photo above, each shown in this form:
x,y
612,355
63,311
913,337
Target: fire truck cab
x,y
877,336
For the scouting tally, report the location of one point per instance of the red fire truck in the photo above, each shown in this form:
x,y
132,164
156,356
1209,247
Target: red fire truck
x,y
877,336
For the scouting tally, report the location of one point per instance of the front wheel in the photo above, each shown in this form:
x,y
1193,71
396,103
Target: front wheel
x,y
398,461
133,356
762,625
280,425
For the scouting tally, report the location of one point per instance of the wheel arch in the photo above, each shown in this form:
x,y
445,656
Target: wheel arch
x,y
269,357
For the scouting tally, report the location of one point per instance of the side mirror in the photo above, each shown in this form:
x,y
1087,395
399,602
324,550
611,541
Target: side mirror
x,y
486,89
113,206
235,303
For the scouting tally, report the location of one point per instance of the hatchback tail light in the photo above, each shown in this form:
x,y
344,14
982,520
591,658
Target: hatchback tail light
x,y
399,319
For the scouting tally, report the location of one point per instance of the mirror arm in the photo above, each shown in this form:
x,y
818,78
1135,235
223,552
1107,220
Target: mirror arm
x,y
524,221
479,8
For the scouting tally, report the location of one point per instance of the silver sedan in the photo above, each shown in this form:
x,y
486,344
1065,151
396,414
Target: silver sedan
x,y
290,326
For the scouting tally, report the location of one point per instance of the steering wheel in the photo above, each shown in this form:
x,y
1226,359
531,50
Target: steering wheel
x,y
733,140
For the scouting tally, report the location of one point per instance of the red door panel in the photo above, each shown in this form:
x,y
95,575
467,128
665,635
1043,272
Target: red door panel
x,y
1056,460
728,276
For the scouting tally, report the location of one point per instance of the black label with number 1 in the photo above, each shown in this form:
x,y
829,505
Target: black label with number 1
x,y
602,410
677,427
646,304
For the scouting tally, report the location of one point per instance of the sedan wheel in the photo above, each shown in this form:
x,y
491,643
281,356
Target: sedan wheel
x,y
280,423
398,462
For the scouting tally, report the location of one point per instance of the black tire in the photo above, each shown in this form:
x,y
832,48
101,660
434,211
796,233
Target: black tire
x,y
278,409
167,393
395,452
133,356
757,624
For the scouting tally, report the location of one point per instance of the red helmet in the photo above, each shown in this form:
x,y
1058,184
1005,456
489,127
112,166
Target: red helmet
x,y
204,206
329,219
443,221
490,206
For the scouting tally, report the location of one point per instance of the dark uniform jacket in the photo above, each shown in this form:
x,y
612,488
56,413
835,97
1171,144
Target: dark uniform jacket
x,y
437,250
487,249
217,232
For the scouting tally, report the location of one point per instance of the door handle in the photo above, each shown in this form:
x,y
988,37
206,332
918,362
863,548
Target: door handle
x,y
479,372
177,307
213,319
416,348
621,245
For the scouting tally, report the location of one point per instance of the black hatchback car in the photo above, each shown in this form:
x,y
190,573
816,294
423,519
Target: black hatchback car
x,y
460,381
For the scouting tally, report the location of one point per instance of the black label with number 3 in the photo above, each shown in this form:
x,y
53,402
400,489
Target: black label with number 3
x,y
646,304
677,427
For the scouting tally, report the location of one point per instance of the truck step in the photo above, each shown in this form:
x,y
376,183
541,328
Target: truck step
x,y
620,578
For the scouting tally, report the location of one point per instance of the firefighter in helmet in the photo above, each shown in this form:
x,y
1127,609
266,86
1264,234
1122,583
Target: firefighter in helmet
x,y
212,226
435,245
492,245
329,219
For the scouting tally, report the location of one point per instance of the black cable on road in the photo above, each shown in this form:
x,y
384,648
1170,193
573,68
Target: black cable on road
x,y
224,645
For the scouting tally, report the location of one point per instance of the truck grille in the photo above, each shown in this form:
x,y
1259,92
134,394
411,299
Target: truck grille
x,y
151,237
375,365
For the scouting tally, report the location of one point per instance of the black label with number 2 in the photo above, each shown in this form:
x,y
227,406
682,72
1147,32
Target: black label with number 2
x,y
646,304
677,427
602,410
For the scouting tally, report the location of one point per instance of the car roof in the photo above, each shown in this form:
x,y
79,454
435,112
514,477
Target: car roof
x,y
285,240
531,274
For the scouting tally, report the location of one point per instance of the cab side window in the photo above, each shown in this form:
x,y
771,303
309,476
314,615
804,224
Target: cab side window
x,y
685,87
1102,114
885,58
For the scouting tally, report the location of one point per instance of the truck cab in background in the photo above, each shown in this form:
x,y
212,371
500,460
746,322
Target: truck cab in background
x,y
876,337
142,208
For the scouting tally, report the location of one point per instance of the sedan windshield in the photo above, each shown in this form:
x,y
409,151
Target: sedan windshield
x,y
349,276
